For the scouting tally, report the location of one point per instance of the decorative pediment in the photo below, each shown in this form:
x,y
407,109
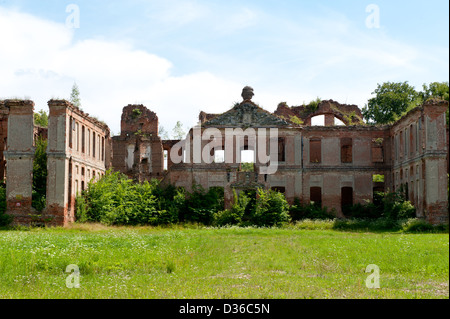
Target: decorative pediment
x,y
246,114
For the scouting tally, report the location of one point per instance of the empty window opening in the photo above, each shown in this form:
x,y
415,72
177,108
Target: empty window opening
x,y
346,150
318,120
378,188
315,196
417,137
377,150
401,144
88,142
405,147
69,191
103,148
315,151
346,199
281,150
166,160
411,139
396,150
338,122
219,156
378,195
378,178
406,191
247,156
83,139
93,144
70,132
77,133
279,189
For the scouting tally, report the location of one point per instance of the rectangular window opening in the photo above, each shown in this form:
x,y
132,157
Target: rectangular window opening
x,y
315,196
346,199
315,151
346,150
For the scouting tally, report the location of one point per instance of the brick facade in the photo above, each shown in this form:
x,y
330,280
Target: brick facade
x,y
331,165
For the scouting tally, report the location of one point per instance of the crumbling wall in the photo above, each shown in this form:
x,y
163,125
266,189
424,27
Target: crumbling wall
x,y
330,171
138,151
77,154
419,159
348,114
332,165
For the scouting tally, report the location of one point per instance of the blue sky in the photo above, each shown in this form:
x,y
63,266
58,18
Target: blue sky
x,y
181,57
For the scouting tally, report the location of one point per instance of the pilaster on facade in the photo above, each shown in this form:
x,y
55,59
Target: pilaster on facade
x,y
19,156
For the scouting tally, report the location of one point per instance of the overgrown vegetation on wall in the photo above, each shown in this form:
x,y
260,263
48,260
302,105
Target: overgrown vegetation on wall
x,y
393,100
39,175
41,118
4,219
117,200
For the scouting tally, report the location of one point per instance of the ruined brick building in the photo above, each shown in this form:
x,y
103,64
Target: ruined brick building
x,y
330,165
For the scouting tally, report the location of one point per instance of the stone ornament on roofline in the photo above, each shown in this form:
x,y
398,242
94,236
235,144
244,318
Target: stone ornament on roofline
x,y
247,93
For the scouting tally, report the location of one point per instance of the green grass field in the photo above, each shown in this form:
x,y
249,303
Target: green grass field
x,y
210,263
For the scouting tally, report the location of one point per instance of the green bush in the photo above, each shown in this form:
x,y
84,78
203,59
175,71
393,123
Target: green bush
x,y
227,217
171,202
271,209
364,211
202,205
416,225
235,215
380,224
259,208
38,198
300,211
38,201
81,209
385,205
5,219
117,200
396,207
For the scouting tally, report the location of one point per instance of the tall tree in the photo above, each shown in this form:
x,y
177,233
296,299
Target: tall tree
x,y
40,174
41,118
438,90
391,101
163,133
435,90
178,131
75,96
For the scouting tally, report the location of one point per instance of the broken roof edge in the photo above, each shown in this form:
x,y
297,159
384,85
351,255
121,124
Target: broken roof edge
x,y
79,112
206,118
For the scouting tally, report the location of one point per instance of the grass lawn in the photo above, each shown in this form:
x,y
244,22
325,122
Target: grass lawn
x,y
210,263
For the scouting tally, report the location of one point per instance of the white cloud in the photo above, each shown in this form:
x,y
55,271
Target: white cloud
x,y
177,13
242,19
44,61
284,59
